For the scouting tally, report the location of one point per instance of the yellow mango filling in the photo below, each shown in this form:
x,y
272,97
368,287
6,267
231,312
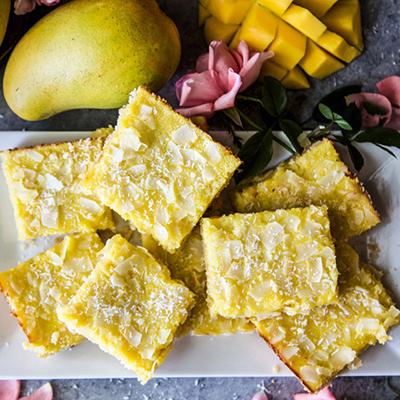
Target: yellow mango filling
x,y
318,345
159,171
35,288
188,265
129,306
318,176
45,186
258,264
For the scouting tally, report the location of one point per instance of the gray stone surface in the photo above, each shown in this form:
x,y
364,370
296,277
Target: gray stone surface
x,y
381,58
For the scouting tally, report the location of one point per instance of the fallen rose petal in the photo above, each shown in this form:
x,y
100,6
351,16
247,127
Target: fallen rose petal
x,y
22,7
45,392
197,88
324,394
378,100
9,390
260,396
227,100
390,88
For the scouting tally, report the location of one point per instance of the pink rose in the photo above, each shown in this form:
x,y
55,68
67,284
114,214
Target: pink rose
x,y
25,6
324,394
387,100
220,75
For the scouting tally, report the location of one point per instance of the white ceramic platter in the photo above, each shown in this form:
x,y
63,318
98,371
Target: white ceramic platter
x,y
240,355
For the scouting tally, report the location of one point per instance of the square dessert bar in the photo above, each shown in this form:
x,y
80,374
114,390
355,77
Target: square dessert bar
x,y
46,192
159,171
36,287
317,177
188,265
258,264
129,306
318,345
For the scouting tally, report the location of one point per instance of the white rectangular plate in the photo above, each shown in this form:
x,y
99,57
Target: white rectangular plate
x,y
240,355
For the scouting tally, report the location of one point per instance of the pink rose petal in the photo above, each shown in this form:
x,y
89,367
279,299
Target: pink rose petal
x,y
206,110
251,70
260,396
22,7
227,100
9,390
324,394
390,88
394,121
43,393
202,63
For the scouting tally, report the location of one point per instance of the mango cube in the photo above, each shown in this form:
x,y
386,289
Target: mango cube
x,y
269,68
278,7
345,19
229,11
296,79
304,21
204,13
317,7
318,63
337,46
214,29
289,46
258,264
258,29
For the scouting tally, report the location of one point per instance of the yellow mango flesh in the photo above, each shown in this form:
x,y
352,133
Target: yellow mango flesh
x,y
337,46
317,7
203,14
289,46
278,7
318,63
90,54
4,15
345,19
304,21
229,11
296,79
269,68
215,30
258,28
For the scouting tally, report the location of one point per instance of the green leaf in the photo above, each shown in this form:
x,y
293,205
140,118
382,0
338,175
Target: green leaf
x,y
292,130
334,117
261,158
284,145
386,149
374,109
325,111
379,135
274,98
342,123
250,148
233,115
356,157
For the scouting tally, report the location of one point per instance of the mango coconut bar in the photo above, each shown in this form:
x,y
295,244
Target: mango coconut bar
x,y
36,287
159,171
46,192
318,345
130,307
258,264
188,266
318,177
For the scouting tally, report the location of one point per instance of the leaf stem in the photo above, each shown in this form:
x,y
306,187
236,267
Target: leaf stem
x,y
249,121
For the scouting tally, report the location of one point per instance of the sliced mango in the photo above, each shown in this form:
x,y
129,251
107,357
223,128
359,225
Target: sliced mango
x,y
203,14
296,79
258,28
230,11
216,30
304,21
269,68
289,46
278,7
337,46
318,63
345,20
317,7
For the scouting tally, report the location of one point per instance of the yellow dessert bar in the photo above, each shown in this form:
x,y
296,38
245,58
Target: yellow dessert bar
x,y
129,306
318,176
188,266
36,287
317,346
45,188
159,171
258,264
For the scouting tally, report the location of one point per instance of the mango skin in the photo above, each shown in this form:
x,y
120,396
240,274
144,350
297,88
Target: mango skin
x,y
90,54
4,15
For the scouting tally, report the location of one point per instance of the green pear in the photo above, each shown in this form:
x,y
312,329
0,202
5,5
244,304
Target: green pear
x,y
4,15
90,54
